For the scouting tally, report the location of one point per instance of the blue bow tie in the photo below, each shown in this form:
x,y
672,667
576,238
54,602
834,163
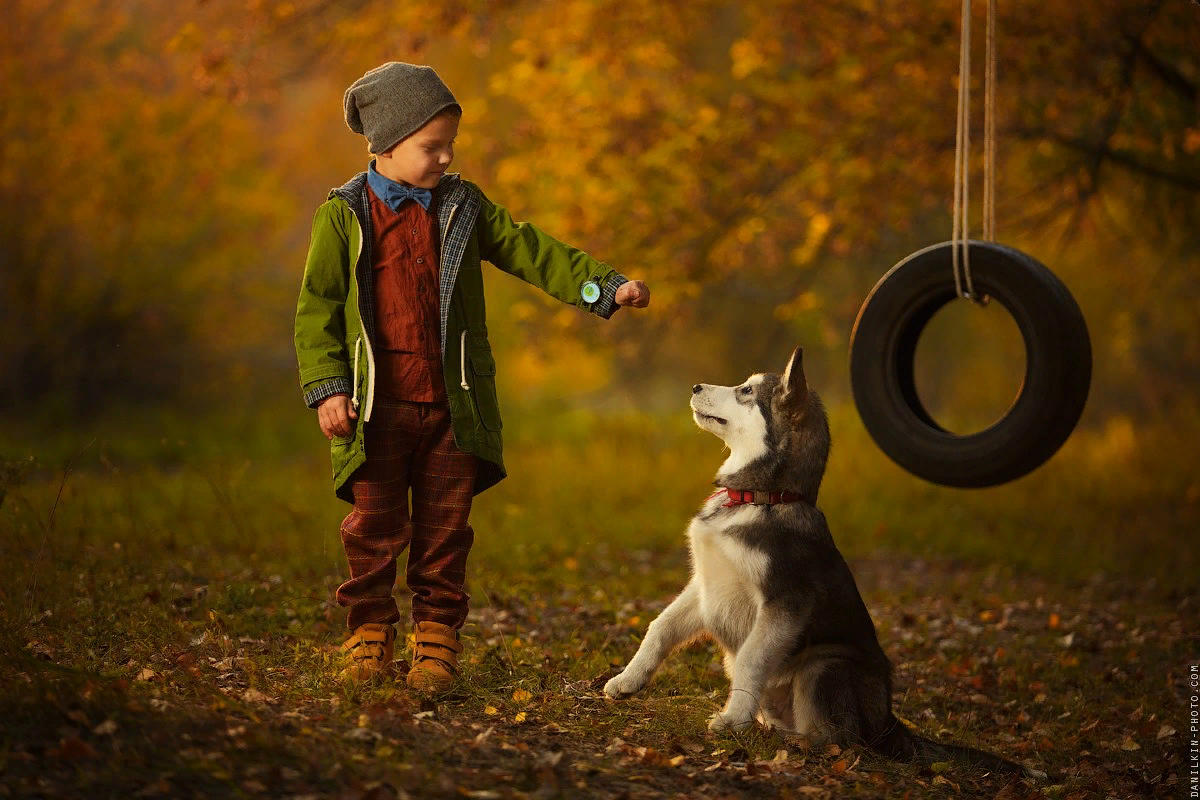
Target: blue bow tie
x,y
397,194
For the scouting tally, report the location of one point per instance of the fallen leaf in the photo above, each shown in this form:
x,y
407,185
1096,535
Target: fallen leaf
x,y
1165,731
491,711
519,718
160,787
255,696
1130,745
108,728
75,749
521,696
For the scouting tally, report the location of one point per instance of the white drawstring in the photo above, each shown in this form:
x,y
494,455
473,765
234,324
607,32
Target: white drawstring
x,y
354,397
462,356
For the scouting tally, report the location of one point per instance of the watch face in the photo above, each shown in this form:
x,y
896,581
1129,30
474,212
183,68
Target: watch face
x,y
591,292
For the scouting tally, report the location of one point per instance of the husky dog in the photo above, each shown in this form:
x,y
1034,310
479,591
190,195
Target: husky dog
x,y
770,586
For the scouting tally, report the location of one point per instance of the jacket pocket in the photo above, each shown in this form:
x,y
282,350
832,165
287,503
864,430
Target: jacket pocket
x,y
483,386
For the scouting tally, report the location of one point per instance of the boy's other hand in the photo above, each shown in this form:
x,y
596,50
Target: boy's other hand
x,y
633,293
336,415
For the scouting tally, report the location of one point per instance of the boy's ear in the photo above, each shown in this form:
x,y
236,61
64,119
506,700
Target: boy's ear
x,y
795,386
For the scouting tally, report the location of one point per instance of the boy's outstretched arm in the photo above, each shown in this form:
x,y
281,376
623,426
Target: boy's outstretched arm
x,y
557,268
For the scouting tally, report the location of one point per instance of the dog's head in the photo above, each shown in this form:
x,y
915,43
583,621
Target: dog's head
x,y
774,426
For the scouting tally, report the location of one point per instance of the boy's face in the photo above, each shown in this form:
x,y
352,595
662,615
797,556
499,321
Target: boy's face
x,y
422,158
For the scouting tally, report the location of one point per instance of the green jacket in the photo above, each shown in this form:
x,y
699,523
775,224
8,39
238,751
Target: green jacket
x,y
335,315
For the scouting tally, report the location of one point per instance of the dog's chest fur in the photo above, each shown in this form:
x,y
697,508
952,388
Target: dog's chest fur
x,y
730,574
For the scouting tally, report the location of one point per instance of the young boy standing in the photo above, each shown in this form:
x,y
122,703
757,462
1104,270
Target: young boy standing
x,y
392,344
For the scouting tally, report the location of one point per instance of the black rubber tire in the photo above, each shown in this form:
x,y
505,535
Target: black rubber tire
x,y
1058,366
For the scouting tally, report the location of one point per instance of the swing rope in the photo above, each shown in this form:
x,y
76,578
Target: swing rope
x,y
960,236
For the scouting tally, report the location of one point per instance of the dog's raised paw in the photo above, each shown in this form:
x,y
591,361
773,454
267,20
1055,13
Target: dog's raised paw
x,y
728,722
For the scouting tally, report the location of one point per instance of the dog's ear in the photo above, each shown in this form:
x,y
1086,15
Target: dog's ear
x,y
794,384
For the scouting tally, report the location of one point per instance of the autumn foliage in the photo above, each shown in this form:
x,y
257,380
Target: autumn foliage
x,y
760,164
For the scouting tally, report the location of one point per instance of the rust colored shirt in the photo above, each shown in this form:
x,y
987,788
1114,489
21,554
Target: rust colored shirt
x,y
404,249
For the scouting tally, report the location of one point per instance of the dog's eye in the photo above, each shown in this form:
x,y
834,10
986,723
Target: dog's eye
x,y
747,390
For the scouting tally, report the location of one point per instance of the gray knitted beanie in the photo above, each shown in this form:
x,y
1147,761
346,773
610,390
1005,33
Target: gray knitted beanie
x,y
393,101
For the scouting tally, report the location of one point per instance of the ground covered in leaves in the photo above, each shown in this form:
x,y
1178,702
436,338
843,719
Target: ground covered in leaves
x,y
167,629
221,686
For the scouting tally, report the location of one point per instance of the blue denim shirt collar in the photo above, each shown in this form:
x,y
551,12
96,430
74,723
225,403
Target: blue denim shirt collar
x,y
393,193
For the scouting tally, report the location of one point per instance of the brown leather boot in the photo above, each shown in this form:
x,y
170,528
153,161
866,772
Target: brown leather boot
x,y
369,652
435,657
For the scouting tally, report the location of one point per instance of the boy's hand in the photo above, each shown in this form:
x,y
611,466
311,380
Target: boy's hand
x,y
336,414
633,293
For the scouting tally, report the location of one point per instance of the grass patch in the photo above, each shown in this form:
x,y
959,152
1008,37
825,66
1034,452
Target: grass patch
x,y
169,624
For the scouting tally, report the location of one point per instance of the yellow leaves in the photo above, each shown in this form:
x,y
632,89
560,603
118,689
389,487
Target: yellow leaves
x,y
746,58
514,171
521,696
187,39
491,711
803,303
705,117
751,228
653,55
818,228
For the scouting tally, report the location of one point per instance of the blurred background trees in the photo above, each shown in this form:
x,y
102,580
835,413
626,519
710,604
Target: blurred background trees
x,y
760,164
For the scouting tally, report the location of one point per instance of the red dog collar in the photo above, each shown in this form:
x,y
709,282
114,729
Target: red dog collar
x,y
741,497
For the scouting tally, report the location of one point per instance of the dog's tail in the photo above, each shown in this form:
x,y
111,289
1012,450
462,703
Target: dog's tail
x,y
901,743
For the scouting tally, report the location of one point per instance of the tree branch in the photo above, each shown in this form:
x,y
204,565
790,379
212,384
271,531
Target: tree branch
x,y
1167,73
1102,152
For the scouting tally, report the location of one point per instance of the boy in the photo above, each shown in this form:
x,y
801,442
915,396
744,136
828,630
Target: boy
x,y
392,345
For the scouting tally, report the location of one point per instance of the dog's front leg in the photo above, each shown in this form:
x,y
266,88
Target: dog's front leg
x,y
759,657
679,622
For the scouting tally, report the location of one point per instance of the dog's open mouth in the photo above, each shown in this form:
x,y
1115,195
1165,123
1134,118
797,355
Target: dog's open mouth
x,y
717,420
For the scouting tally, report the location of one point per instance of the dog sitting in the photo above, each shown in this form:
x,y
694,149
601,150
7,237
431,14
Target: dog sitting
x,y
770,586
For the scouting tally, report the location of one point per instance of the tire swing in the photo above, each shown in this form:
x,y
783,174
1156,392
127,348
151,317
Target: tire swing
x,y
883,342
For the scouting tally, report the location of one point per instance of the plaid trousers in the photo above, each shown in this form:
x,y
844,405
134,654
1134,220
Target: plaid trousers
x,y
411,446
